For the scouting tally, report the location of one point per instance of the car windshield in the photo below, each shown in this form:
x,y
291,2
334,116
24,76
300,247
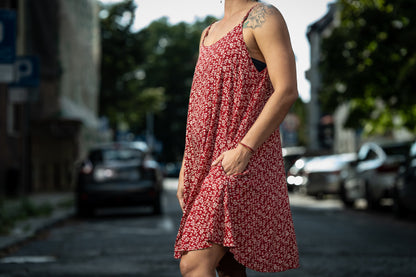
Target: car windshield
x,y
105,155
397,150
329,163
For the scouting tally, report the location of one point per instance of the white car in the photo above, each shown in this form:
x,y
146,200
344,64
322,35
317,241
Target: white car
x,y
372,176
324,173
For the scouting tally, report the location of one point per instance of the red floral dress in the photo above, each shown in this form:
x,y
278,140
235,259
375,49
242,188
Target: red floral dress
x,y
248,212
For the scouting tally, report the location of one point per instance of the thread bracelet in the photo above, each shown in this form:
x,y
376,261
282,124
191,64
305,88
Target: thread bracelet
x,y
248,147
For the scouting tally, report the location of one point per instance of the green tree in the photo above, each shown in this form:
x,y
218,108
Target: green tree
x,y
171,55
370,60
148,71
123,96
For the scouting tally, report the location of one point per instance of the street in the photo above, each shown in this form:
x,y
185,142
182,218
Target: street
x,y
333,242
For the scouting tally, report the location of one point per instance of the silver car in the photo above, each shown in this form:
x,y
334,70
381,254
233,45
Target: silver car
x,y
372,176
323,174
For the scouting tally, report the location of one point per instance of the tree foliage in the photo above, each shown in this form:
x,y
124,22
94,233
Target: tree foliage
x,y
148,70
123,98
171,55
370,60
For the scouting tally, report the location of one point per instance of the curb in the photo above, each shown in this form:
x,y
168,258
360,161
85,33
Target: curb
x,y
30,228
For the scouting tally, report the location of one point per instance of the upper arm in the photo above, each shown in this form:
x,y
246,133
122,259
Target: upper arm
x,y
272,37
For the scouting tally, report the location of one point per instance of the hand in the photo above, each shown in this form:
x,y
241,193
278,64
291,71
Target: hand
x,y
234,161
179,193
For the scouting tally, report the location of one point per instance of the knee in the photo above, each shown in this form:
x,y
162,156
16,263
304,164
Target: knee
x,y
186,267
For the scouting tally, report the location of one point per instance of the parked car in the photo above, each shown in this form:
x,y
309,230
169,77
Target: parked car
x,y
295,177
118,174
291,155
372,176
404,191
324,173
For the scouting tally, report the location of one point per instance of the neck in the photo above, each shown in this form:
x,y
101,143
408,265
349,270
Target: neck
x,y
232,7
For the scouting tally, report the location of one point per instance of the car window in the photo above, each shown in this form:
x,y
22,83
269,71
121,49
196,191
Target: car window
x,y
397,150
96,156
120,154
105,155
371,155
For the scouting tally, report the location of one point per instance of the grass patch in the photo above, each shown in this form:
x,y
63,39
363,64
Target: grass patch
x,y
24,209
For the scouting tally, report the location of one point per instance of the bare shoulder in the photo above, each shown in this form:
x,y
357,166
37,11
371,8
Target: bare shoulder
x,y
203,34
261,15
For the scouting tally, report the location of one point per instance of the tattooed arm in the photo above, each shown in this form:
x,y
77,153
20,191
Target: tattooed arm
x,y
267,39
270,40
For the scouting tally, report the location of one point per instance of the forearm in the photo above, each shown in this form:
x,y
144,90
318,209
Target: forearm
x,y
270,117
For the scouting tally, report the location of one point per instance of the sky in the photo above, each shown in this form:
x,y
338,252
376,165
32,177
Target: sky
x,y
299,14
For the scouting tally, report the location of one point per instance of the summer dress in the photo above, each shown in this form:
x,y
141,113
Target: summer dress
x,y
248,212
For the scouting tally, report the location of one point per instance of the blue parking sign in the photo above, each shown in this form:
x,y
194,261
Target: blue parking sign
x,y
7,36
26,71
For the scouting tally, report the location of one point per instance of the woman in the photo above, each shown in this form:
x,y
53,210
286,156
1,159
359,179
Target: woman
x,y
232,187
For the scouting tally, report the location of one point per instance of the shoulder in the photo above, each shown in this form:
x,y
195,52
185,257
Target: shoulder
x,y
262,15
204,32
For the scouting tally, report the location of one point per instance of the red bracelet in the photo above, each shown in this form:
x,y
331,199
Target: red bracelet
x,y
248,147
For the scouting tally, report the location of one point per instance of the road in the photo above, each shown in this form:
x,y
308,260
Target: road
x,y
333,242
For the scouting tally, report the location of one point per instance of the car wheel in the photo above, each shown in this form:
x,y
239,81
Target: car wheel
x,y
372,203
343,195
399,210
83,210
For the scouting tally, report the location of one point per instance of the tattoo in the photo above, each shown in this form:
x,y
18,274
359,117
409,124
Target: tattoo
x,y
258,16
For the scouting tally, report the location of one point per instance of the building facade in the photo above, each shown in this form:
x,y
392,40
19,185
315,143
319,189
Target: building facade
x,y
44,130
325,132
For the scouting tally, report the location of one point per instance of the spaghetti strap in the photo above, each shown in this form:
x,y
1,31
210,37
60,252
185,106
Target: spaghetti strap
x,y
207,32
248,13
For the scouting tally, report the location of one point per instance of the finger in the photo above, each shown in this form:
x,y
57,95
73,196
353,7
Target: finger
x,y
219,159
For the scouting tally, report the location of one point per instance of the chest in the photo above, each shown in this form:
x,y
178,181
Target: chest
x,y
219,31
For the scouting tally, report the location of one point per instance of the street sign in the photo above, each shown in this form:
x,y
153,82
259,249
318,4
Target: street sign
x,y
6,73
7,36
7,45
26,71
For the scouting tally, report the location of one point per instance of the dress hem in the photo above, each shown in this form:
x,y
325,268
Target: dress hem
x,y
179,253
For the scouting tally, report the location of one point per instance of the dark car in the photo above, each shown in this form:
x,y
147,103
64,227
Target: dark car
x,y
296,176
372,176
291,155
116,175
404,191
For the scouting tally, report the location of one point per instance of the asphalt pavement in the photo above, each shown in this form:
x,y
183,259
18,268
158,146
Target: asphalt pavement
x,y
333,242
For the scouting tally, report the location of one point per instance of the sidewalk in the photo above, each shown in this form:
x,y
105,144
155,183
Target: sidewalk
x,y
62,206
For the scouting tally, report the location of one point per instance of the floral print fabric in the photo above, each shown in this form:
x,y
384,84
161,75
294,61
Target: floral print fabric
x,y
248,212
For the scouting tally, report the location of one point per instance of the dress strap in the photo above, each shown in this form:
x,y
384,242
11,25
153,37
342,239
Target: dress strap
x,y
206,32
249,11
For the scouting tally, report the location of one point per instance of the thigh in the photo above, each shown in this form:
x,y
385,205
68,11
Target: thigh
x,y
208,257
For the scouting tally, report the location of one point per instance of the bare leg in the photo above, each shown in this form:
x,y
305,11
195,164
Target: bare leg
x,y
229,267
202,263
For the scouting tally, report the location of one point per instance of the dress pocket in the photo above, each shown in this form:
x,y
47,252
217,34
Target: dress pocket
x,y
240,175
234,176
